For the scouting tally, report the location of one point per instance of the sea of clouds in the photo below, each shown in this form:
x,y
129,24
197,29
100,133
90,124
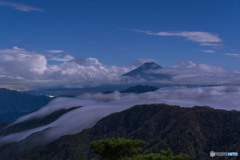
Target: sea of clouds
x,y
98,105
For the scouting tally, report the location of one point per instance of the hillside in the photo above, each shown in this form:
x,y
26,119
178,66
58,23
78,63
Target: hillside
x,y
35,122
14,104
195,131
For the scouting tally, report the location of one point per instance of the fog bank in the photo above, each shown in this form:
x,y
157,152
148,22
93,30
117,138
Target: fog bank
x,y
96,106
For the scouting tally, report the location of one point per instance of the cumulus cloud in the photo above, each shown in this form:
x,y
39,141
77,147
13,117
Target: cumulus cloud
x,y
197,36
20,6
89,73
19,66
96,106
19,62
187,72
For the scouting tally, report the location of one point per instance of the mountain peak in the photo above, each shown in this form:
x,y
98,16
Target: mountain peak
x,y
145,71
147,66
150,65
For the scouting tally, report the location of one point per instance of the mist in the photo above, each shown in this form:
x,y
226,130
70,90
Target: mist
x,y
96,106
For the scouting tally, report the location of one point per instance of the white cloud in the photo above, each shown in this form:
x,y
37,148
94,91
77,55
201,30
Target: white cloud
x,y
188,72
65,58
210,44
142,61
21,67
233,54
197,36
90,72
17,48
208,51
19,62
55,51
20,6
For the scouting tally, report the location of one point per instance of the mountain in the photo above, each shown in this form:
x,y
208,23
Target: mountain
x,y
146,71
195,131
140,89
14,104
35,122
73,92
136,89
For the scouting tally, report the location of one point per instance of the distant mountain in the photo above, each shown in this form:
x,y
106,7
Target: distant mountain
x,y
72,92
14,104
195,131
140,89
136,89
145,71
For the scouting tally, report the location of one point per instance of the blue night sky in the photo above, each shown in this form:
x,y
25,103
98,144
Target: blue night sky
x,y
120,32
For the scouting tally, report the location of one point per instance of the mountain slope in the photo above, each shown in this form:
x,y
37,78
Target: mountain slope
x,y
35,122
195,131
146,71
14,104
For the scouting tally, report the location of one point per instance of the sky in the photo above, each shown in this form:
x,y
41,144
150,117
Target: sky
x,y
45,42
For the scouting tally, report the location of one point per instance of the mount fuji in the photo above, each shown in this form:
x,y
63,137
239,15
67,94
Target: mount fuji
x,y
147,71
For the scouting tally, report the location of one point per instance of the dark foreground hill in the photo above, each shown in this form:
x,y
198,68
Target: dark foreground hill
x,y
14,104
195,131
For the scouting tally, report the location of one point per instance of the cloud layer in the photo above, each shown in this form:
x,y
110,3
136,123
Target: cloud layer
x,y
203,38
19,66
23,69
97,106
20,6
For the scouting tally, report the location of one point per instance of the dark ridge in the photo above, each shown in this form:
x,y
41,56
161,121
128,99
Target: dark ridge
x,y
2,125
195,131
140,89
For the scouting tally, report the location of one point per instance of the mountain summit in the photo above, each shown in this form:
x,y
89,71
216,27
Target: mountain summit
x,y
146,71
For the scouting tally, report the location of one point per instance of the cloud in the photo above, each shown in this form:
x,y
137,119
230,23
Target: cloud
x,y
233,54
208,51
197,36
19,62
20,6
87,72
55,51
189,73
142,61
65,58
21,67
210,44
96,106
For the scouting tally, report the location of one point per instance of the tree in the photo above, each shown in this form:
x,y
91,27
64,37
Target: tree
x,y
117,149
127,149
